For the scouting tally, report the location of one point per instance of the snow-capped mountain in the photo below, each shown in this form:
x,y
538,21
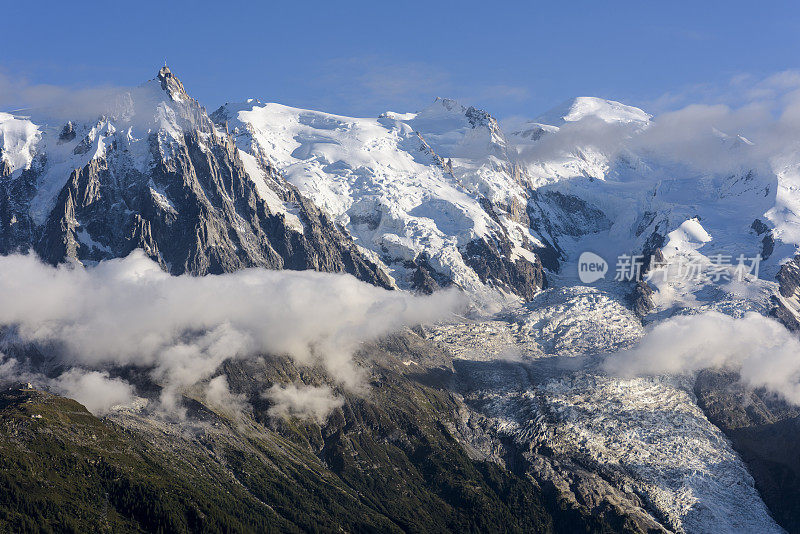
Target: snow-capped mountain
x,y
443,197
427,191
584,107
434,195
578,195
154,172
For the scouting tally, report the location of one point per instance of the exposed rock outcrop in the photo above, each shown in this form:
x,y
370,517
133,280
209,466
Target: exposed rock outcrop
x,y
765,431
788,277
193,208
494,263
785,305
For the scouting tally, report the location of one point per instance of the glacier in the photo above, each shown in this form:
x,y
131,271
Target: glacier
x,y
444,197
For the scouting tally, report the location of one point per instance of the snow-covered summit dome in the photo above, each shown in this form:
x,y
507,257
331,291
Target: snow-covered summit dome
x,y
588,106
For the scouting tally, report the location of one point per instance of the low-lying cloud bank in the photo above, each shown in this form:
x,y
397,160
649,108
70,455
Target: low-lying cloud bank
x,y
763,352
129,312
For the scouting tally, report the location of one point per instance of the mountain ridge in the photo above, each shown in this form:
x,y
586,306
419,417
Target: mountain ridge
x,y
160,176
420,202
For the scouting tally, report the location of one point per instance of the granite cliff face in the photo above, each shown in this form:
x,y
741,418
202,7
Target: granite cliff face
x,y
157,174
785,303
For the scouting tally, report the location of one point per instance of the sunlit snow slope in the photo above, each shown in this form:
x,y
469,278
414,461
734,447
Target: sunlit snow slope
x,y
412,188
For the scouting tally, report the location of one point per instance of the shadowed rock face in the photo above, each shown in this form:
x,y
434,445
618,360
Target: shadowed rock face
x,y
765,431
784,309
424,278
194,209
641,298
215,221
789,277
492,262
17,231
558,214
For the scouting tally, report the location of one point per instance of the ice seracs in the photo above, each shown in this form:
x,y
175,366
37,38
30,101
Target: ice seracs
x,y
18,138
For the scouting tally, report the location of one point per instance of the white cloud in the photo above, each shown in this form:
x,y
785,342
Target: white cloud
x,y
740,90
219,397
56,101
303,401
96,390
693,137
766,111
128,312
760,349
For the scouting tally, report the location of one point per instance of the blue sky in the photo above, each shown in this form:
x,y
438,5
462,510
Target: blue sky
x,y
362,58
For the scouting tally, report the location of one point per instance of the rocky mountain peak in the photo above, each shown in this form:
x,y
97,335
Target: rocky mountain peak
x,y
155,174
449,104
478,117
447,108
170,83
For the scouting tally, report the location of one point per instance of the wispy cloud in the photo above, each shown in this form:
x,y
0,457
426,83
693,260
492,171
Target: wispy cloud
x,y
765,110
127,312
369,85
58,101
739,90
364,85
303,401
503,92
760,349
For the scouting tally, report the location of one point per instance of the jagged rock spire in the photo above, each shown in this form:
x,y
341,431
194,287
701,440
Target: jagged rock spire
x,y
169,82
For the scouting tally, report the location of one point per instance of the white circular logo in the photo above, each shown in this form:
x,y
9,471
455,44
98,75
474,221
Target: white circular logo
x,y
591,267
